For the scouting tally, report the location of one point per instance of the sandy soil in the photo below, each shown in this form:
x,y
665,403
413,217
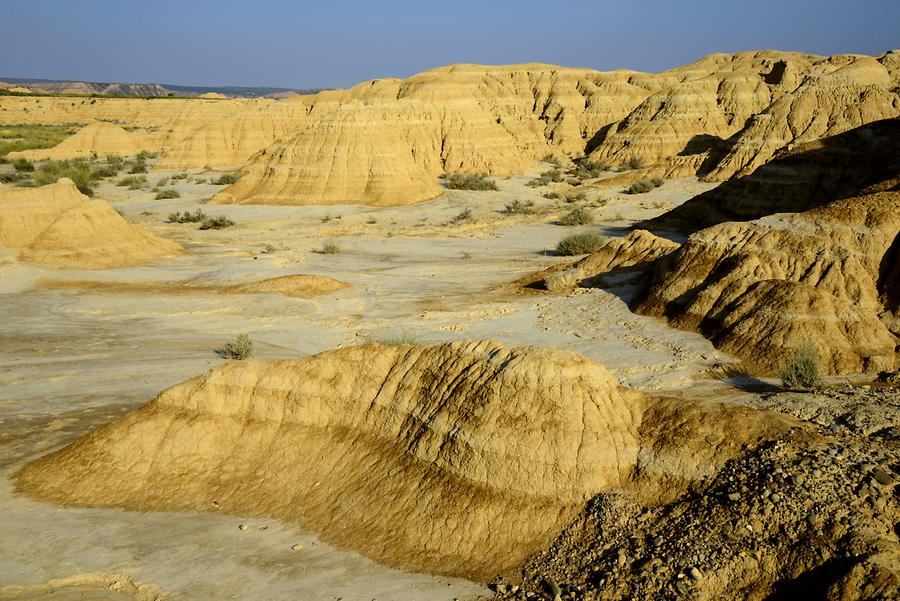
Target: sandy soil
x,y
83,347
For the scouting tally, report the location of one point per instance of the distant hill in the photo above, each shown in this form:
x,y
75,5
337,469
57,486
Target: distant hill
x,y
88,88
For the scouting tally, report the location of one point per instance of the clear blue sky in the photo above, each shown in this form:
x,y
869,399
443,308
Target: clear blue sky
x,y
336,43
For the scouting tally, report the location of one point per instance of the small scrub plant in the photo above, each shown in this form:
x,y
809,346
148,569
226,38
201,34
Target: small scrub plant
x,y
642,186
187,217
398,339
330,248
133,182
470,181
167,193
577,197
585,169
371,221
182,175
634,163
216,223
577,216
227,179
77,170
23,165
580,244
464,215
517,207
801,367
240,348
551,195
550,158
553,175
163,181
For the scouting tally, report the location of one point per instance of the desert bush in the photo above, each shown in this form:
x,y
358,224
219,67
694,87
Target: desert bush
x,y
226,179
133,182
397,339
577,216
216,223
240,348
580,244
589,169
633,163
517,207
464,215
23,165
471,181
553,175
187,217
167,193
77,170
163,181
330,248
641,186
551,195
146,154
577,197
801,367
657,181
182,175
550,158
13,177
115,161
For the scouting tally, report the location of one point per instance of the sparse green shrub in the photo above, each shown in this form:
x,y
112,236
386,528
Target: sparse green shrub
x,y
471,181
577,197
77,170
553,175
464,215
590,169
14,177
187,217
167,193
657,181
517,207
551,195
226,179
216,223
580,244
634,163
115,162
642,186
371,221
133,182
23,165
577,216
398,339
801,367
182,175
330,248
240,348
550,158
146,154
163,181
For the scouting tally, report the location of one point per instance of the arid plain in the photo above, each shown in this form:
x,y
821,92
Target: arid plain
x,y
522,331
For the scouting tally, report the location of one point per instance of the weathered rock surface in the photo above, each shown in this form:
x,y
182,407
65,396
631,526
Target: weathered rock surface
x,y
462,458
56,225
761,287
807,176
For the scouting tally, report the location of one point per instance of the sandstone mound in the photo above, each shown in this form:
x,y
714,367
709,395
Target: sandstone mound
x,y
637,250
805,177
761,287
96,139
462,458
300,285
56,225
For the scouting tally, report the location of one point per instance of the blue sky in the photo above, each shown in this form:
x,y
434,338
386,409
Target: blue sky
x,y
336,43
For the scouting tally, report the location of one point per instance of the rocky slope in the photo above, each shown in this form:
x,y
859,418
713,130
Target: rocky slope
x,y
57,226
96,139
463,458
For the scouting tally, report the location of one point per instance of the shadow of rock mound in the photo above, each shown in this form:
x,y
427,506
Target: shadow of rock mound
x,y
462,458
807,176
56,225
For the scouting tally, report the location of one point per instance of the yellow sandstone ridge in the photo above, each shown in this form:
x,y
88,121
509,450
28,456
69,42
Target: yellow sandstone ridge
x,y
462,458
96,139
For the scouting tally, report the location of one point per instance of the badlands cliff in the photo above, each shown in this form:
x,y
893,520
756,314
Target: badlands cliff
x,y
385,142
462,458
